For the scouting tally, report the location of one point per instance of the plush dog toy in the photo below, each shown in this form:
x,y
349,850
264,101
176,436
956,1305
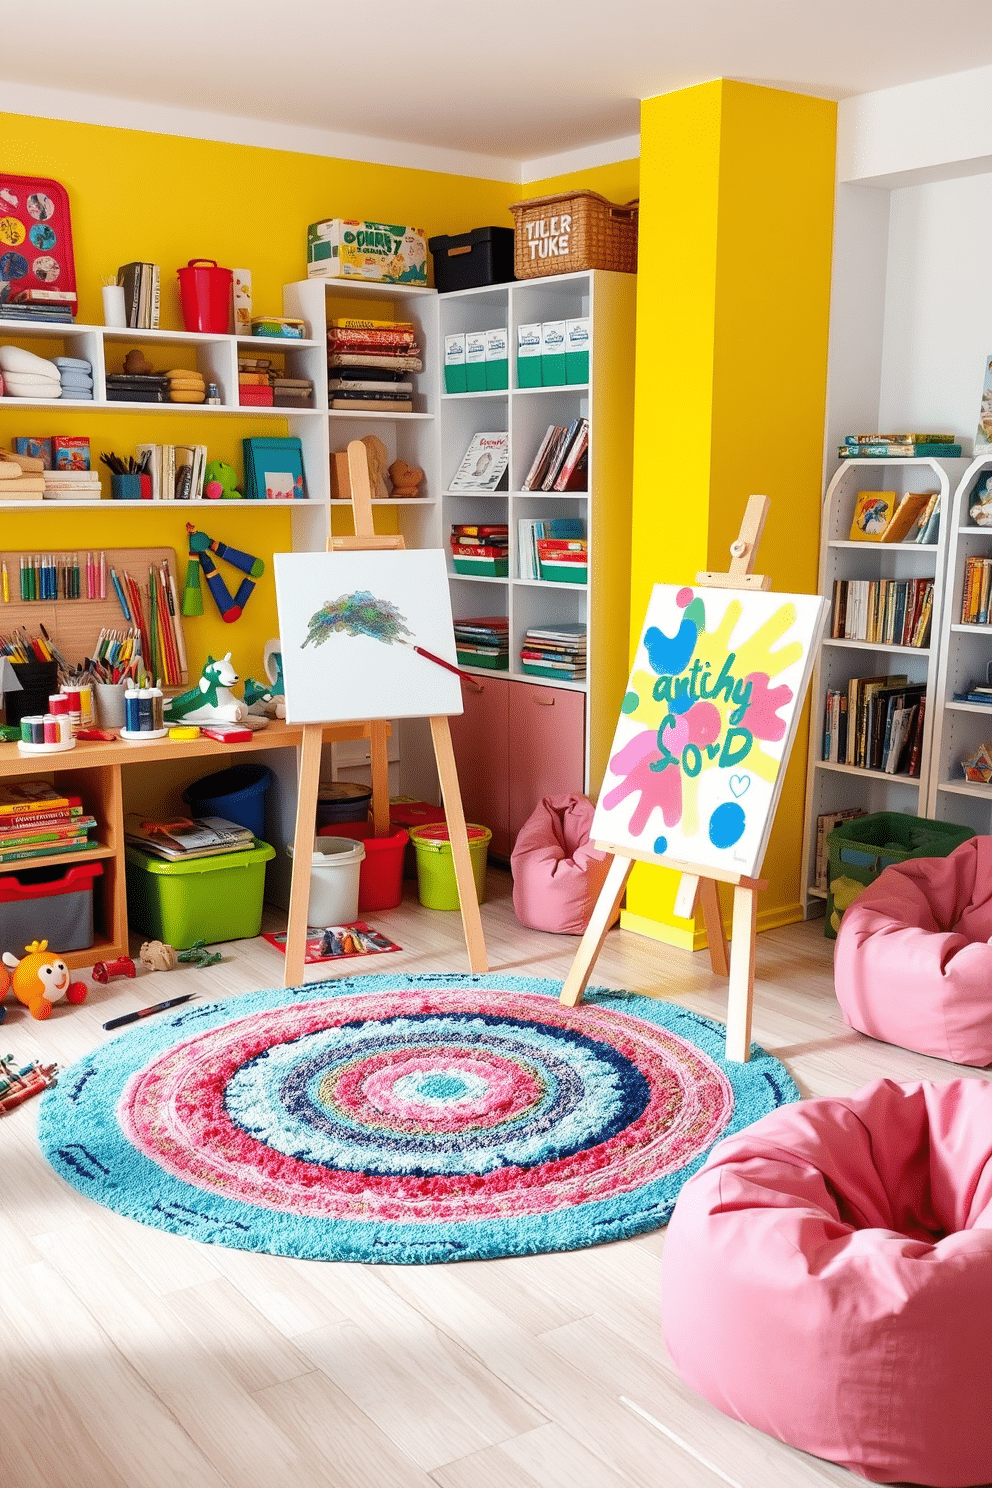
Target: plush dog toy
x,y
40,978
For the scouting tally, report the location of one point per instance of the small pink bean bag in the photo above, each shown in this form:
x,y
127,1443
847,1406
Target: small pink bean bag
x,y
557,873
827,1278
912,964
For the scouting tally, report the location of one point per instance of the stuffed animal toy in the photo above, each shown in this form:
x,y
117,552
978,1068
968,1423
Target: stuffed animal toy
x,y
211,700
136,364
157,955
220,480
41,978
405,478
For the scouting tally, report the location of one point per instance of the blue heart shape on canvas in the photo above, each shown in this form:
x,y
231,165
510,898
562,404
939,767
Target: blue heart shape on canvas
x,y
739,785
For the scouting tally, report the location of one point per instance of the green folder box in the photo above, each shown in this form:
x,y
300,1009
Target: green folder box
x,y
475,361
577,337
454,364
497,366
553,353
529,356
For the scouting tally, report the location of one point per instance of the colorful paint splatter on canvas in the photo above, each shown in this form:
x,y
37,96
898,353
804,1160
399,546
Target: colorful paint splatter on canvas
x,y
706,725
358,614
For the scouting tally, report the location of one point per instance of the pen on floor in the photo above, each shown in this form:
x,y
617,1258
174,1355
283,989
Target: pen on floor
x,y
156,1007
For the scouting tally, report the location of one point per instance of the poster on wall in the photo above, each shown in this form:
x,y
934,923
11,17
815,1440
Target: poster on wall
x,y
706,726
355,627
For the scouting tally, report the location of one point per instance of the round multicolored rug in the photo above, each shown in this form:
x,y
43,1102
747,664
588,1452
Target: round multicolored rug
x,y
403,1118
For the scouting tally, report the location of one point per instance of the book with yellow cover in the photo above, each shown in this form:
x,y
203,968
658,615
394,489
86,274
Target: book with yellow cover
x,y
910,508
872,514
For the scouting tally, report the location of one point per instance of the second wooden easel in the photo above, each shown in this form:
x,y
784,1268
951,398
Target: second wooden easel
x,y
366,539
697,885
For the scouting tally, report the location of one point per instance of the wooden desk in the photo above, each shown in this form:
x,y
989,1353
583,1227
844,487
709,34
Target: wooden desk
x,y
93,771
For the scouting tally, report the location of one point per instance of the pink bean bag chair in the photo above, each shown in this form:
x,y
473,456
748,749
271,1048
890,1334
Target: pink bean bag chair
x,y
913,965
827,1278
557,873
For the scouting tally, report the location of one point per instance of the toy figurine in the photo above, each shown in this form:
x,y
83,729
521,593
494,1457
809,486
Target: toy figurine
x,y
136,364
41,978
198,955
157,955
104,970
211,700
220,481
406,478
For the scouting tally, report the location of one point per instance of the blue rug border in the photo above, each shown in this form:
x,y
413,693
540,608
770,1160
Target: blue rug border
x,y
760,1085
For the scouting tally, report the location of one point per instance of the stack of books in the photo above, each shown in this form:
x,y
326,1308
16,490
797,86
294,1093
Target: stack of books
x,y
134,387
557,651
976,692
38,821
483,641
888,446
562,560
876,723
71,485
255,382
886,612
368,365
176,470
480,549
52,306
562,459
532,530
975,607
187,837
141,283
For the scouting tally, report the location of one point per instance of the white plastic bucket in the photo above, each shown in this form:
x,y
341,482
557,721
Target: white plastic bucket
x,y
335,868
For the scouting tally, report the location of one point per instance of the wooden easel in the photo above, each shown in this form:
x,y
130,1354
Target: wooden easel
x,y
696,884
366,539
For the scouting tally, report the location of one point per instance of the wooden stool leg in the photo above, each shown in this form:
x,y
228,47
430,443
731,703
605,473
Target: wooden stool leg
x,y
306,824
599,923
379,753
475,940
740,992
709,899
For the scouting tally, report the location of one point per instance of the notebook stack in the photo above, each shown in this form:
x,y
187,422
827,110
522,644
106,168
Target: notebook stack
x,y
483,641
557,651
482,551
369,363
71,485
52,306
130,387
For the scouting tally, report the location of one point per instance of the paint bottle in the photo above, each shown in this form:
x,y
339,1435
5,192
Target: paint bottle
x,y
132,714
158,707
59,705
26,729
86,705
75,708
50,725
146,710
37,729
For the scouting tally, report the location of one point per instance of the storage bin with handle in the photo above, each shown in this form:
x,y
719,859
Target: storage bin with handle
x,y
205,292
575,230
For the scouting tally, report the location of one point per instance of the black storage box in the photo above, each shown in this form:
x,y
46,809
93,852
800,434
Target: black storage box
x,y
38,679
468,260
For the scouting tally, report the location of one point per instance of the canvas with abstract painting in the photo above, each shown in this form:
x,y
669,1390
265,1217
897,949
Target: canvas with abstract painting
x,y
706,725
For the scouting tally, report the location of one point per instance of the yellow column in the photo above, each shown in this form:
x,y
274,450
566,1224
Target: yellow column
x,y
737,189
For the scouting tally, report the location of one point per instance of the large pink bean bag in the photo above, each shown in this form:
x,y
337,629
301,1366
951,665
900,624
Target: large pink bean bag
x,y
912,964
827,1278
557,873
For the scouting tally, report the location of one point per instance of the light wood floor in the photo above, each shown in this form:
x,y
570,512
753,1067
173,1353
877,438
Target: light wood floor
x,y
135,1359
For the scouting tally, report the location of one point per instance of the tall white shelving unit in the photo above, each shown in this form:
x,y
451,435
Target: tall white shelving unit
x,y
525,413
835,786
965,652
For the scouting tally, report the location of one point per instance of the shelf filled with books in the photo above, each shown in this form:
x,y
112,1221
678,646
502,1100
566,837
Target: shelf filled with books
x,y
883,557
963,723
545,388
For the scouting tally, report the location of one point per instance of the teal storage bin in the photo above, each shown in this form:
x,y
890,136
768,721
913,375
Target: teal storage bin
x,y
210,899
860,848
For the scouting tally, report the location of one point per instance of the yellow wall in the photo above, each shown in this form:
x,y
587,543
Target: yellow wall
x,y
618,183
733,296
136,195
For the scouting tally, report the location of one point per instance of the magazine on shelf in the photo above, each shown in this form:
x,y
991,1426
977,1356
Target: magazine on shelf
x,y
484,464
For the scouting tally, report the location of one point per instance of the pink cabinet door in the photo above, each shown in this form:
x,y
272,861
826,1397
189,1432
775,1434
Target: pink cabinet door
x,y
479,737
547,747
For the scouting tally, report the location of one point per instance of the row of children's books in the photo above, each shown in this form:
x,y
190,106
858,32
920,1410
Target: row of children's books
x,y
885,446
888,517
876,723
885,612
531,531
825,824
562,459
176,470
975,599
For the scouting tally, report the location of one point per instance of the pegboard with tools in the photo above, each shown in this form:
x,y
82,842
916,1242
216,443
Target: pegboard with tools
x,y
75,596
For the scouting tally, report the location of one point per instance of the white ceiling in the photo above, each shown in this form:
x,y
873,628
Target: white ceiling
x,y
512,80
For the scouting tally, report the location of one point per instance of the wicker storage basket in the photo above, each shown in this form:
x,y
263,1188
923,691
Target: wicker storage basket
x,y
579,230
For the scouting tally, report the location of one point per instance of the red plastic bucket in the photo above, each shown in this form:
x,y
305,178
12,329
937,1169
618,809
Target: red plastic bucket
x,y
380,882
205,291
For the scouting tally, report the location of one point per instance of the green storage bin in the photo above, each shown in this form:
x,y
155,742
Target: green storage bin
x,y
859,849
210,899
482,568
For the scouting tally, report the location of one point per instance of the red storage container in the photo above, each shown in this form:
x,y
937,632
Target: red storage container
x,y
53,904
380,879
413,814
206,295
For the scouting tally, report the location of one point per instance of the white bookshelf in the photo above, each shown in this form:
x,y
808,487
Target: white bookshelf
x,y
964,653
836,786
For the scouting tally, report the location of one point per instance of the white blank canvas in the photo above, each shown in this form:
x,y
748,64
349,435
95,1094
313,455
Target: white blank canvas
x,y
337,676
